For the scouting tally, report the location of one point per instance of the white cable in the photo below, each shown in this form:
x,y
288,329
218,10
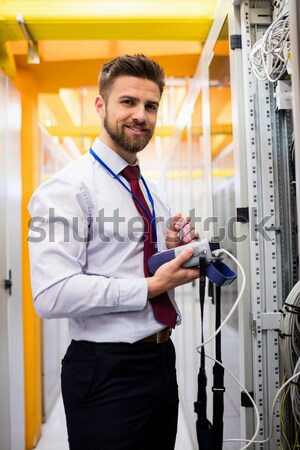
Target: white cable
x,y
295,396
294,293
274,42
217,253
269,55
289,347
290,330
271,416
252,401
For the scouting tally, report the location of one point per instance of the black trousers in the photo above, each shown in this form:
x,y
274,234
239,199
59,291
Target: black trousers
x,y
120,396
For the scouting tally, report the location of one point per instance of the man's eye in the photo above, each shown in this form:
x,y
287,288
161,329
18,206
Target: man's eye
x,y
151,107
128,102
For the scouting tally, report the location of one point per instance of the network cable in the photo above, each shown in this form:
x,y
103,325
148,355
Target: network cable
x,y
252,441
290,330
250,398
293,302
295,395
269,56
218,253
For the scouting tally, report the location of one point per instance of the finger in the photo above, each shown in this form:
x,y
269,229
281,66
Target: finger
x,y
193,273
183,256
181,223
174,220
183,227
188,234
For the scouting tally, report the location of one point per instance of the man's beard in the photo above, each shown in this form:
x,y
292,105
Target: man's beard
x,y
131,144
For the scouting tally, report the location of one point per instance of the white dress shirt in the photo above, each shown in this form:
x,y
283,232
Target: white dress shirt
x,y
97,283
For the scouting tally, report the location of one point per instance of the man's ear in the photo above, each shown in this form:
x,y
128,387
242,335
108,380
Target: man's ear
x,y
100,106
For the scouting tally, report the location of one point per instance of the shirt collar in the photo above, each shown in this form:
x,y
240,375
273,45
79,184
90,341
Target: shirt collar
x,y
114,161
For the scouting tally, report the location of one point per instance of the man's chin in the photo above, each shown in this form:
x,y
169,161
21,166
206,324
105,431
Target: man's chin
x,y
135,148
130,144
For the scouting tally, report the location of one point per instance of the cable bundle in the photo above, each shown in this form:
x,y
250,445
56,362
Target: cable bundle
x,y
290,353
269,56
295,394
290,330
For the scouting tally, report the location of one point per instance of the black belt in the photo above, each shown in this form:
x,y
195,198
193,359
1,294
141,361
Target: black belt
x,y
161,336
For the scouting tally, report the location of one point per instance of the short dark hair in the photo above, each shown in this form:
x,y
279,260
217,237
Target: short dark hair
x,y
136,65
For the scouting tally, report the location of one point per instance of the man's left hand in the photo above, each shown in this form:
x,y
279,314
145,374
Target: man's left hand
x,y
180,232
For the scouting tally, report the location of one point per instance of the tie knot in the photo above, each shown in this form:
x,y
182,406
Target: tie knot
x,y
131,173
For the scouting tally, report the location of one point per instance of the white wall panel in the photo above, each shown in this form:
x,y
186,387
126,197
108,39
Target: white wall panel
x,y
12,426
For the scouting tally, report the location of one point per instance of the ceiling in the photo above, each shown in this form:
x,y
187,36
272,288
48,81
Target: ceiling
x,y
75,38
94,31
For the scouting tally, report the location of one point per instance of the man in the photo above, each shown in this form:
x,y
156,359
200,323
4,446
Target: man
x,y
98,223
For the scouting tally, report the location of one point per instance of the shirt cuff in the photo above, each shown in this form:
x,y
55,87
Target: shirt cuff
x,y
133,294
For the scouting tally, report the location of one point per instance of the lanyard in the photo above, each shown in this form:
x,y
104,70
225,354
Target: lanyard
x,y
152,217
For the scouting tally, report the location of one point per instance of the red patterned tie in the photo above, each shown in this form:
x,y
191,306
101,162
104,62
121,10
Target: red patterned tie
x,y
163,309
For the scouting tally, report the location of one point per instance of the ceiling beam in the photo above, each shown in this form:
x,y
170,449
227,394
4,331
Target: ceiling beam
x,y
55,107
51,76
112,20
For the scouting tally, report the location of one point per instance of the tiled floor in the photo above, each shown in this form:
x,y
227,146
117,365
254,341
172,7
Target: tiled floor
x,y
54,435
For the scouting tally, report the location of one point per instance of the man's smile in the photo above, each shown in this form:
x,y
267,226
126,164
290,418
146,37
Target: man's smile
x,y
137,130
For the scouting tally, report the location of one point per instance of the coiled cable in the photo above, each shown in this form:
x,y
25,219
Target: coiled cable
x,y
270,55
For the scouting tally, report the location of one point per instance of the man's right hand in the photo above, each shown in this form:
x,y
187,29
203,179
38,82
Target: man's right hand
x,y
172,274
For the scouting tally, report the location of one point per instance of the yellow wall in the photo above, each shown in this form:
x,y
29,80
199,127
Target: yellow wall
x,y
32,325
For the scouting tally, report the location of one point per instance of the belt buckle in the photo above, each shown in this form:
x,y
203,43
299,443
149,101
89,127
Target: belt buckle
x,y
160,336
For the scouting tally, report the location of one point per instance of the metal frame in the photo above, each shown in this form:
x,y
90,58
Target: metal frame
x,y
295,51
286,198
265,266
242,229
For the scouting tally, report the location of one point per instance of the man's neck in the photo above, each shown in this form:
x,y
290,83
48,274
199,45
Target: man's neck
x,y
127,156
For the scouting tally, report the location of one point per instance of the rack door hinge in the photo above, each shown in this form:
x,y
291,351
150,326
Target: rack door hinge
x,y
8,283
245,400
270,320
235,41
242,214
252,323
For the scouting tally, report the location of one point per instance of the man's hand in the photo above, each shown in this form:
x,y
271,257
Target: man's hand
x,y
172,274
180,232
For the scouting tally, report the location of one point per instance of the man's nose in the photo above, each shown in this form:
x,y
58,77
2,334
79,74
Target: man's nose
x,y
139,113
